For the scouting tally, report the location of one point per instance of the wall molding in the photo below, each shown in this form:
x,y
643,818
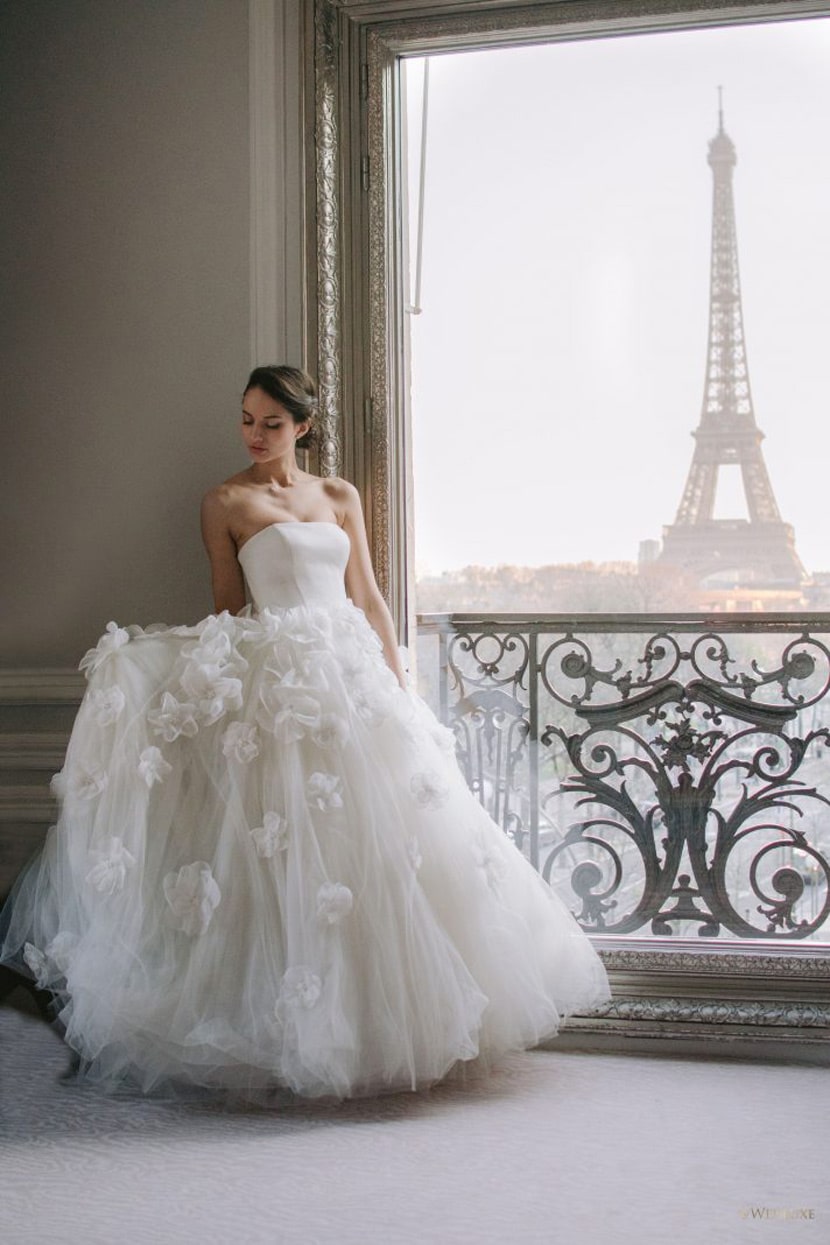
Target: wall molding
x,y
41,685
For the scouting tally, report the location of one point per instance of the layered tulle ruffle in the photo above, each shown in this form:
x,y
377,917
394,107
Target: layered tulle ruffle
x,y
268,871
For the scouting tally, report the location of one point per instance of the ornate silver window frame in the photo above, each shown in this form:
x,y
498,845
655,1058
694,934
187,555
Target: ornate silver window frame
x,y
356,343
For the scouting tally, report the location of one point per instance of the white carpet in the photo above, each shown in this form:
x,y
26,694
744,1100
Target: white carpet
x,y
554,1147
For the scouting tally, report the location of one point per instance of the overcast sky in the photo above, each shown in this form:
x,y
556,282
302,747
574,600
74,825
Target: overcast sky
x,y
558,365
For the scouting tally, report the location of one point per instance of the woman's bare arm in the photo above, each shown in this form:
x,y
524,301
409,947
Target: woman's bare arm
x,y
361,584
226,573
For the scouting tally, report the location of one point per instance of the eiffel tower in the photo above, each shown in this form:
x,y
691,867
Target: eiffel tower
x,y
758,551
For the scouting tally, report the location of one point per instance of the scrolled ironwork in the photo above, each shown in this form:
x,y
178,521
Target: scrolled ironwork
x,y
505,665
801,660
571,656
666,781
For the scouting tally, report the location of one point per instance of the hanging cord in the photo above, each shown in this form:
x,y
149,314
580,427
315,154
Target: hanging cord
x,y
414,307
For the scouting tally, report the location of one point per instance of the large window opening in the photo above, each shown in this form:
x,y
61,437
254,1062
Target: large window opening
x,y
616,311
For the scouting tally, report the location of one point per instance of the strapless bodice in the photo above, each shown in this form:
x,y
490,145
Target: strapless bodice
x,y
295,563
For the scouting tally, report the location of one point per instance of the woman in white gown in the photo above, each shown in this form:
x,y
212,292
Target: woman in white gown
x,y
268,870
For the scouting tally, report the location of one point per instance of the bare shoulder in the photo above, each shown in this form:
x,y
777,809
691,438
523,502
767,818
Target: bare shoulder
x,y
215,504
218,507
342,495
220,500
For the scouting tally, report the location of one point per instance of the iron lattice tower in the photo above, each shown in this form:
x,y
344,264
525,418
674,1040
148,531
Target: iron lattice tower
x,y
761,549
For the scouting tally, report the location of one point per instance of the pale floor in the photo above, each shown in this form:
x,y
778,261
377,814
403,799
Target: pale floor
x,y
553,1147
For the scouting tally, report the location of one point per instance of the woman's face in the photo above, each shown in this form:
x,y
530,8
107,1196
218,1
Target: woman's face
x,y
268,430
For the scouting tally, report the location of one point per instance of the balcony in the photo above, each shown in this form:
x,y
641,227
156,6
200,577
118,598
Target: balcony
x,y
670,777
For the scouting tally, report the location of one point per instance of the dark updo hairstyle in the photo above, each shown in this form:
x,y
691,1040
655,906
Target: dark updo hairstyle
x,y
294,390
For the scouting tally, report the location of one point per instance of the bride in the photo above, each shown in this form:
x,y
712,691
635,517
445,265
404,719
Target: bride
x,y
268,870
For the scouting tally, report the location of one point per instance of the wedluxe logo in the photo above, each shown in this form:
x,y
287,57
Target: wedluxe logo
x,y
777,1212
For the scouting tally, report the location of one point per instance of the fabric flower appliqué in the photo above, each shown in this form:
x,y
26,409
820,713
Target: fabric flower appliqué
x,y
174,718
109,874
331,731
323,791
240,742
428,789
334,901
114,637
192,895
46,965
59,785
152,766
213,663
372,704
300,988
211,690
490,859
301,643
107,705
214,645
288,711
37,963
88,783
272,837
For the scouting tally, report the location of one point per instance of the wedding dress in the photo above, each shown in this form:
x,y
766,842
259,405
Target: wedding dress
x,y
268,870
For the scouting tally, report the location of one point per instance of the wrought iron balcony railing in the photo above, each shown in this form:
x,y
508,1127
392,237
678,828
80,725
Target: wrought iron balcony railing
x,y
668,776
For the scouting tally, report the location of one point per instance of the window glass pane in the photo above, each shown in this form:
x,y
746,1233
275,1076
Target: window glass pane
x,y
559,350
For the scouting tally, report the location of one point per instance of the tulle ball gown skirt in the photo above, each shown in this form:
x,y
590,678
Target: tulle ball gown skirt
x,y
268,871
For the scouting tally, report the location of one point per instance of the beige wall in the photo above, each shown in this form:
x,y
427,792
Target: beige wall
x,y
126,324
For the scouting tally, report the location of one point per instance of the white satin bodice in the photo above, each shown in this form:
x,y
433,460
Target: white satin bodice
x,y
296,563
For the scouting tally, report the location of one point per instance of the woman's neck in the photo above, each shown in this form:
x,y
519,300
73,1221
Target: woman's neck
x,y
279,473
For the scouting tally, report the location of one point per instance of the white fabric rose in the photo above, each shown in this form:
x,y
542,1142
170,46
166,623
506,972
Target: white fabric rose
x,y
214,645
288,711
331,731
87,783
272,837
298,644
107,705
241,742
109,874
174,718
429,790
300,988
51,964
114,637
371,702
192,895
152,766
37,964
210,678
323,791
334,901
59,785
212,690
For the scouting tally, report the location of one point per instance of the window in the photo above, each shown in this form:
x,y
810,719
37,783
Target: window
x,y
358,329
